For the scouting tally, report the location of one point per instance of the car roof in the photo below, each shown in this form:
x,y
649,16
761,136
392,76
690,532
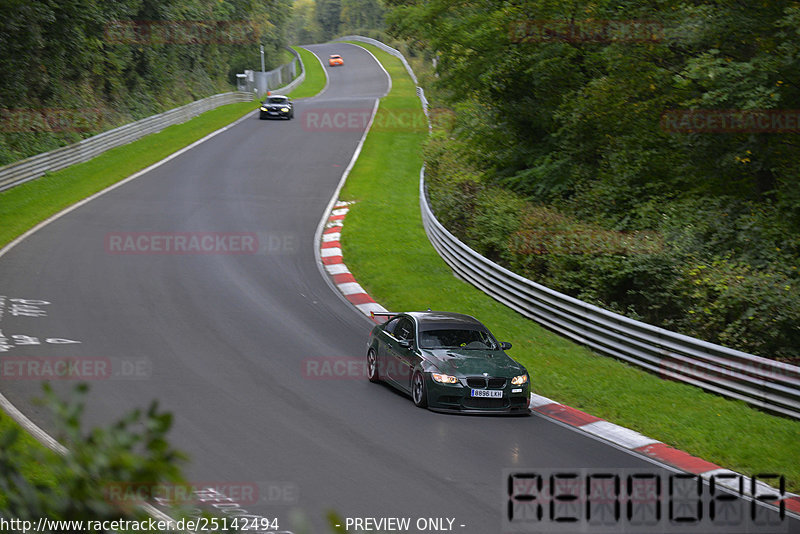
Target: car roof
x,y
335,55
277,96
430,320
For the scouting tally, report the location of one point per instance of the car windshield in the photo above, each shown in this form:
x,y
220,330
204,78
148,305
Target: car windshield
x,y
276,100
457,339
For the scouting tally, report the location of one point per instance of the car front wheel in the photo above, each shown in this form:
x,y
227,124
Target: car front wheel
x,y
372,366
419,392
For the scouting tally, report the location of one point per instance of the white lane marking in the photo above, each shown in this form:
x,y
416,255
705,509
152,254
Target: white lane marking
x,y
388,77
326,213
327,78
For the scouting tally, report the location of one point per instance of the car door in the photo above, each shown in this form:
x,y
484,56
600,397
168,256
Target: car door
x,y
403,357
385,343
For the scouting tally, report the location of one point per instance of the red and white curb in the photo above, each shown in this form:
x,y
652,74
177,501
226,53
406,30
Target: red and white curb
x,y
634,441
331,255
625,438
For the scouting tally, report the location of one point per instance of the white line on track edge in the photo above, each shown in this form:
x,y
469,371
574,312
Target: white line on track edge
x,y
327,78
335,197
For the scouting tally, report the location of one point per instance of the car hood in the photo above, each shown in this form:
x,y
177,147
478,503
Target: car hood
x,y
462,362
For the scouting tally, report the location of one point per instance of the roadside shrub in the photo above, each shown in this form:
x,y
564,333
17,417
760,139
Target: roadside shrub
x,y
133,450
716,269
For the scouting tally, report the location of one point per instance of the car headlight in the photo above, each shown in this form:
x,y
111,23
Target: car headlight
x,y
444,379
263,109
519,380
284,109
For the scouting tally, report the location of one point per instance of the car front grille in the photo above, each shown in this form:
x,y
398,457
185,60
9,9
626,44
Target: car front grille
x,y
480,382
483,404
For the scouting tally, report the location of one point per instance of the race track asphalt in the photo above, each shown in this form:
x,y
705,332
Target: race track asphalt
x,y
224,340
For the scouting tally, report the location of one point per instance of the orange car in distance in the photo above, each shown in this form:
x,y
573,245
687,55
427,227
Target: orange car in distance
x,y
334,60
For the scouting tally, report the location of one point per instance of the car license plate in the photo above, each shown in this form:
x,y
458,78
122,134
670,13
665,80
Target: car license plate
x,y
488,393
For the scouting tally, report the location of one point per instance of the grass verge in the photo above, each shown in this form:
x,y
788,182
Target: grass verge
x,y
30,203
315,75
386,248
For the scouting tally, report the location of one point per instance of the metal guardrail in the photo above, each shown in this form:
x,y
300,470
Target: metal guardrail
x,y
292,69
761,382
27,169
30,168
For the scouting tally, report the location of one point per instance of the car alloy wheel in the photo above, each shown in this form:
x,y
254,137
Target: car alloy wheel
x,y
418,390
372,366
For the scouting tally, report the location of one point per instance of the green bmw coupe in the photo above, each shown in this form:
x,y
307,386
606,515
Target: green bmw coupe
x,y
447,362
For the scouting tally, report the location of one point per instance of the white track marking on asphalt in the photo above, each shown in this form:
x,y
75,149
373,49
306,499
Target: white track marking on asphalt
x,y
334,198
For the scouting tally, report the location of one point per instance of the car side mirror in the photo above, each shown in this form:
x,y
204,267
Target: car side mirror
x,y
405,343
505,345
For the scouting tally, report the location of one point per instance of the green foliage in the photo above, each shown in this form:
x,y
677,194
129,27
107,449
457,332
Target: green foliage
x,y
386,248
304,27
574,124
315,21
714,270
328,14
70,55
133,450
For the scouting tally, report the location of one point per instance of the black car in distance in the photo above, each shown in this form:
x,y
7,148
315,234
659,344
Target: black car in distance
x,y
276,107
